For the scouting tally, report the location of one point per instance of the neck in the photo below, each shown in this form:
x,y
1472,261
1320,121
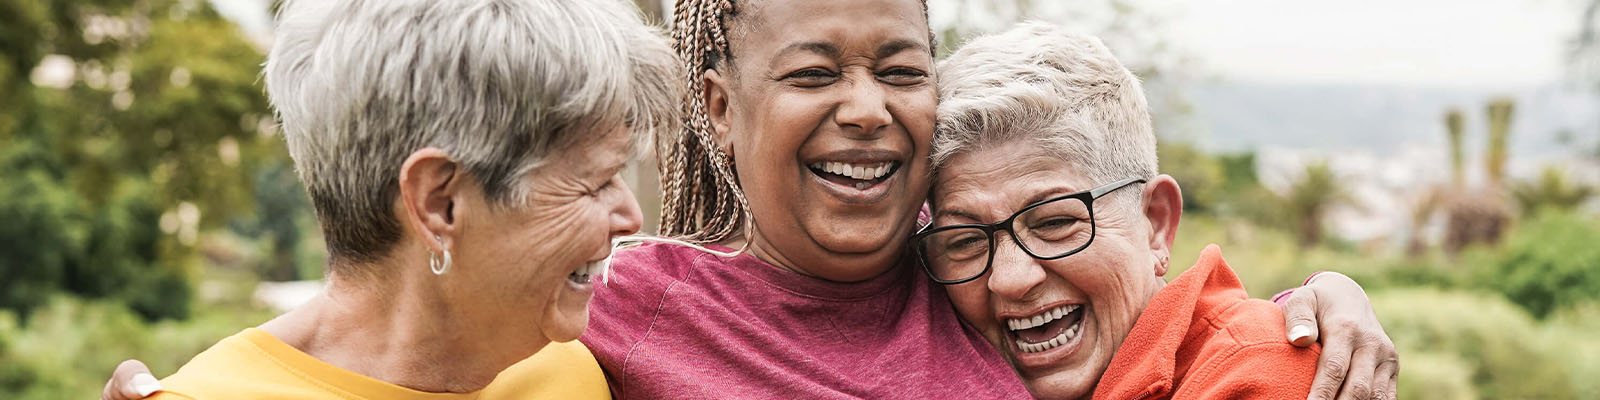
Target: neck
x,y
406,331
850,268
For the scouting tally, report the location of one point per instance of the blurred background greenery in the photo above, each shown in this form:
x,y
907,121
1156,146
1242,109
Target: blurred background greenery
x,y
148,207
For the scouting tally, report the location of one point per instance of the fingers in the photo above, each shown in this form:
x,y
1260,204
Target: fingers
x,y
1386,383
1300,320
130,381
1358,381
1332,367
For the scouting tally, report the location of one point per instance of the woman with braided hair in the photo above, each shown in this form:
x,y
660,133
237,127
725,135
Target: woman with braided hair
x,y
796,183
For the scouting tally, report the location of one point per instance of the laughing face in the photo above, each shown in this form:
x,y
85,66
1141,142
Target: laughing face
x,y
1057,322
542,257
828,108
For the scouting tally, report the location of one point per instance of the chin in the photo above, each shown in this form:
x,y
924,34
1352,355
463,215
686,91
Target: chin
x,y
566,327
1060,386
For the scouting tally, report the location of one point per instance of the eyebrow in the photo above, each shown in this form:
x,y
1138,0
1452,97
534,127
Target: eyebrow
x,y
899,45
1042,196
1054,192
957,214
823,48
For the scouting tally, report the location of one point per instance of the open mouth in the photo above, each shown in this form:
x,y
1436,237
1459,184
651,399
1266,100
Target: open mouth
x,y
589,270
1047,330
856,175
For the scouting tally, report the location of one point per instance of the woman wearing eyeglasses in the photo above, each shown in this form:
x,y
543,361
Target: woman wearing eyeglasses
x,y
1053,230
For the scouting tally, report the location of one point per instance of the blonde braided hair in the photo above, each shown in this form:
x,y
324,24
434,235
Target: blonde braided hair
x,y
700,200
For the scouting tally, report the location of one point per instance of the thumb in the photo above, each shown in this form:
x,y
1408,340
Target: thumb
x,y
1300,317
130,381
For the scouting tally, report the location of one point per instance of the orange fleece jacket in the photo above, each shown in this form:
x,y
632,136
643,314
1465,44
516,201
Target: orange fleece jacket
x,y
1201,337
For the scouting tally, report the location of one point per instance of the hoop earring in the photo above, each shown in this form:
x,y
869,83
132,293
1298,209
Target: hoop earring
x,y
439,267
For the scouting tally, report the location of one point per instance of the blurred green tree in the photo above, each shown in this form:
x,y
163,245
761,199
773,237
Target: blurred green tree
x,y
1309,199
127,128
1551,263
1552,190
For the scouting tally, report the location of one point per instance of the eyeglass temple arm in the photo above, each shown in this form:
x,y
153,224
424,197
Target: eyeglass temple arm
x,y
1101,191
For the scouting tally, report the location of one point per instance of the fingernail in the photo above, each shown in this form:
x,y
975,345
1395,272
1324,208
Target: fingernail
x,y
1299,332
145,384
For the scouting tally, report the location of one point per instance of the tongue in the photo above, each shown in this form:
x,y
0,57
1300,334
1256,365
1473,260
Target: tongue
x,y
1049,330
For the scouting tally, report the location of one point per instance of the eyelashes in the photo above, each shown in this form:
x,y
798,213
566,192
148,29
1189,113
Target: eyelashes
x,y
818,77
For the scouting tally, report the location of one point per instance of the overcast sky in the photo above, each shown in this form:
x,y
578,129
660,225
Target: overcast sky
x,y
1454,43
1479,43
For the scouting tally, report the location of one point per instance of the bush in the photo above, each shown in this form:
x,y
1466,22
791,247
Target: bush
x,y
1552,262
68,347
1497,343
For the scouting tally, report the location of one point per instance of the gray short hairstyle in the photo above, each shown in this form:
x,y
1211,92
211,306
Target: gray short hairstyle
x,y
499,85
1064,91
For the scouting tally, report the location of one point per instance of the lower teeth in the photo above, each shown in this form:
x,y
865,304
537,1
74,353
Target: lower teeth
x,y
1064,337
863,185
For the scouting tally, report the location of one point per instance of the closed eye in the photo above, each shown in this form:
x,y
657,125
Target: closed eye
x,y
812,77
903,76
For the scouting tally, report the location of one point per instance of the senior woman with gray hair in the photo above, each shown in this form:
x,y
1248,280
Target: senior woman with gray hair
x,y
462,157
1053,231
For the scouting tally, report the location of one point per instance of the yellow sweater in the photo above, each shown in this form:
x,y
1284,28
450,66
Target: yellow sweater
x,y
255,365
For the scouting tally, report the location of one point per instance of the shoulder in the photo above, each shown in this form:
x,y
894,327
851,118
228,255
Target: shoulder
x,y
559,370
233,368
628,300
1247,356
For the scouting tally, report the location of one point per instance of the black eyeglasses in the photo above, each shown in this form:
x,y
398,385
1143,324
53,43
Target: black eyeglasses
x,y
1047,230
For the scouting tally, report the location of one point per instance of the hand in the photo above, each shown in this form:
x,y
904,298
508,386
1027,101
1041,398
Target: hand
x,y
131,381
1358,360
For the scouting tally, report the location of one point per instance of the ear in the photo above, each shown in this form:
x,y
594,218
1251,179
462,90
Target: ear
x,y
716,98
1163,207
430,191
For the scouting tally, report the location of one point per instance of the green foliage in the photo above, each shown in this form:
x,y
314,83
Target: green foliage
x,y
1493,340
109,180
1553,190
1553,262
1309,200
68,347
1200,175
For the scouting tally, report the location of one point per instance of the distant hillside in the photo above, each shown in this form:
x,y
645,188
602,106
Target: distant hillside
x,y
1236,116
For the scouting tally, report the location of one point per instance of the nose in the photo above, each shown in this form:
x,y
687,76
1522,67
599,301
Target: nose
x,y
1013,274
864,110
626,217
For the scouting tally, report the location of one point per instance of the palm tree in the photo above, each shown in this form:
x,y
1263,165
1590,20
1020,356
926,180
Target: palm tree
x,y
1310,198
1552,191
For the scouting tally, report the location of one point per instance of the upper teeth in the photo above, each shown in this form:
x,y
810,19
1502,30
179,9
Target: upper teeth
x,y
856,171
591,268
1040,319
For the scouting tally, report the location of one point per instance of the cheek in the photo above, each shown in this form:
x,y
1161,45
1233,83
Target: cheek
x,y
971,300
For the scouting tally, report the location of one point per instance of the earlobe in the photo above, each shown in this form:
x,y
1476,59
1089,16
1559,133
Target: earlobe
x,y
429,193
715,96
1163,208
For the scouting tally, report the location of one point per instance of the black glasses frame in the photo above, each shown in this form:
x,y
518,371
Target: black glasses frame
x,y
1087,197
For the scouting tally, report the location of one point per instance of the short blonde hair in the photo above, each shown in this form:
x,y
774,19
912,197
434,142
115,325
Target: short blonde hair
x,y
1038,82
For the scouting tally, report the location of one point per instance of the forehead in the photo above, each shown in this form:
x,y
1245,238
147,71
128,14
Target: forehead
x,y
604,150
1004,177
765,27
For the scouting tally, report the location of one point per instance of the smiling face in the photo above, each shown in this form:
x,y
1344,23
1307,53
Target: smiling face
x,y
828,108
539,259
1058,322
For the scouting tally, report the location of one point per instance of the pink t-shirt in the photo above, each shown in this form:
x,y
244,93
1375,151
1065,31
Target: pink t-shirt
x,y
677,323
